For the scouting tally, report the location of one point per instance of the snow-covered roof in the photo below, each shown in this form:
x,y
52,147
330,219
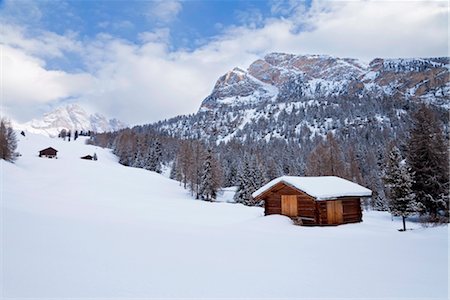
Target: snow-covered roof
x,y
321,188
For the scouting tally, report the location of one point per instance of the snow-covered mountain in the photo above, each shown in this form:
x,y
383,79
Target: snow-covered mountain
x,y
71,117
305,96
279,77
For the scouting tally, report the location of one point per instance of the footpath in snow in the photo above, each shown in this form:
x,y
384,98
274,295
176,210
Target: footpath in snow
x,y
73,228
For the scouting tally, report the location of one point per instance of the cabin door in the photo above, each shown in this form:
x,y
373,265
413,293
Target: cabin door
x,y
335,212
289,205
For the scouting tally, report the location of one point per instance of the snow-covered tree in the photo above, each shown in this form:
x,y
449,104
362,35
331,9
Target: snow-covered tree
x,y
428,157
250,179
8,141
399,182
209,183
63,134
154,158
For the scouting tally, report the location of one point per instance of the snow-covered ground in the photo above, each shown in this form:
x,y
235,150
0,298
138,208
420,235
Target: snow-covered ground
x,y
73,228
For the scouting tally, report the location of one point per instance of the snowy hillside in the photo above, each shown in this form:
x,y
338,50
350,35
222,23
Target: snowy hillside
x,y
73,228
71,117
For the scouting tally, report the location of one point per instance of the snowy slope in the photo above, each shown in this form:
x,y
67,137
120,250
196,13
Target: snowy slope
x,y
70,117
73,228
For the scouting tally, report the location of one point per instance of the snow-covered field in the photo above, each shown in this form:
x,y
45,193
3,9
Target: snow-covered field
x,y
73,228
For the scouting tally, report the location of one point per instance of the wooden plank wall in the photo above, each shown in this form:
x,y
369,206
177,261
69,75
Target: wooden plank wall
x,y
273,199
315,212
307,209
351,211
305,203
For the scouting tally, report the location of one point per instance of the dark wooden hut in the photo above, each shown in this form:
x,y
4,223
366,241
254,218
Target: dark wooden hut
x,y
325,200
48,152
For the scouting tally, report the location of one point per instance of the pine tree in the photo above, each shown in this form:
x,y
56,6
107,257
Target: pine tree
x,y
156,157
428,158
208,183
8,141
63,134
250,180
399,183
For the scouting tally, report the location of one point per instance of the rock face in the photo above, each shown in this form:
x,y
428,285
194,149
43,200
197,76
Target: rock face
x,y
280,77
303,97
238,87
71,117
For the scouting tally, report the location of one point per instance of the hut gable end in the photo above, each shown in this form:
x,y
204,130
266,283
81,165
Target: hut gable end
x,y
48,152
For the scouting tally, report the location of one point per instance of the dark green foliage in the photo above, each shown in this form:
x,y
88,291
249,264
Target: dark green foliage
x,y
402,202
250,179
209,183
428,157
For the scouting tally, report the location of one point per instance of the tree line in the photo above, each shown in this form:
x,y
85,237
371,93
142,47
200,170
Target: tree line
x,y
417,179
204,166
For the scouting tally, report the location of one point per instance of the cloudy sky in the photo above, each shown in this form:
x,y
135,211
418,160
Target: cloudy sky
x,y
143,61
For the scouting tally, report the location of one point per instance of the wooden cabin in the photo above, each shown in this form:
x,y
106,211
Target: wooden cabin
x,y
325,200
48,152
87,157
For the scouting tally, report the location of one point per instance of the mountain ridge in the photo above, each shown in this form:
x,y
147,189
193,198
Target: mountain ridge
x,y
302,97
328,76
70,117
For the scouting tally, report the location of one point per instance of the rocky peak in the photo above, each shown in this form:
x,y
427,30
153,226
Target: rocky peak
x,y
311,76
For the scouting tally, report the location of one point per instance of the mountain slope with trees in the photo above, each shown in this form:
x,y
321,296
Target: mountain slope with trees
x,y
303,115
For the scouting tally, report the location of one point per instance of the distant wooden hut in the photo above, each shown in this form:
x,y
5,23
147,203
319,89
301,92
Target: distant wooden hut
x,y
87,157
48,152
325,200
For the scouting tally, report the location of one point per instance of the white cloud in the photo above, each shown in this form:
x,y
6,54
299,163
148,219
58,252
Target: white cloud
x,y
27,84
163,11
160,35
369,29
40,43
146,82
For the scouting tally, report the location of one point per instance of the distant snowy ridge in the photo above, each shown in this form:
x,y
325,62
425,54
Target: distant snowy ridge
x,y
71,117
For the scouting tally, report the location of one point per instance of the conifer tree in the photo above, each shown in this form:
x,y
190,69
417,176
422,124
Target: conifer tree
x,y
209,183
250,180
428,158
399,182
8,141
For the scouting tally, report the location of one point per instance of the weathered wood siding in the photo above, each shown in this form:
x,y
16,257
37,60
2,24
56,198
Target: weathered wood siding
x,y
305,203
351,209
310,211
